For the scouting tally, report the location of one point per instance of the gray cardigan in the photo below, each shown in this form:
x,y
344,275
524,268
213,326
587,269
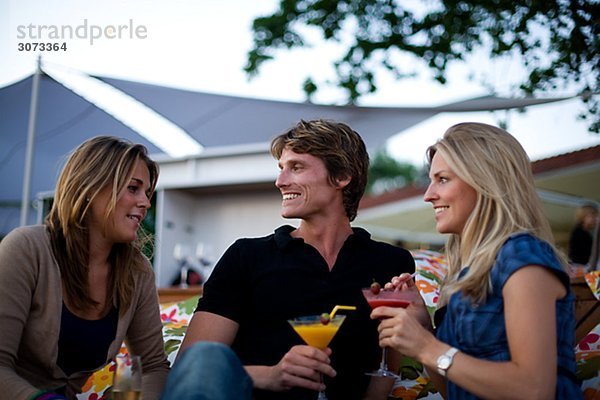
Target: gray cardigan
x,y
30,314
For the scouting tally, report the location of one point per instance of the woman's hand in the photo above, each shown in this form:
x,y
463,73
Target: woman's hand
x,y
400,330
417,308
402,282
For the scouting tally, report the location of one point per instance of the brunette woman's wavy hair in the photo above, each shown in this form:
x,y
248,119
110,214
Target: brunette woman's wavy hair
x,y
494,163
341,149
99,163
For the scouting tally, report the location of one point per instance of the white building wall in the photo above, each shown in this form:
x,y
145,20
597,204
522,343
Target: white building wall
x,y
213,199
173,215
215,220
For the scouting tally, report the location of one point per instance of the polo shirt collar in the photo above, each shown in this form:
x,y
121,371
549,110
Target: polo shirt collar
x,y
283,238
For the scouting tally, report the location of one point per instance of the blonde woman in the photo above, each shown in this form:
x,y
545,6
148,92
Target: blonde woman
x,y
508,329
75,288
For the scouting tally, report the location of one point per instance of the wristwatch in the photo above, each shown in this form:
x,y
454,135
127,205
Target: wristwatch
x,y
445,360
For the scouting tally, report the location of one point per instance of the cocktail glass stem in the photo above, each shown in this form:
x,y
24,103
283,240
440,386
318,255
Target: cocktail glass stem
x,y
322,395
383,367
383,364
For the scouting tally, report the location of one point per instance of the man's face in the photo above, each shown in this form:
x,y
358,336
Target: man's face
x,y
305,187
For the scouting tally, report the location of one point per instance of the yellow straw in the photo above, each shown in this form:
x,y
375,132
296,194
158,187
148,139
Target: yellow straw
x,y
336,308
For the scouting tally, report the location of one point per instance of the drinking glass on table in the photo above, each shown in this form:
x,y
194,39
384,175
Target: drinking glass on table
x,y
389,298
127,380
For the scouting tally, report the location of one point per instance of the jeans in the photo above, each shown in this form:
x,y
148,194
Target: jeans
x,y
208,371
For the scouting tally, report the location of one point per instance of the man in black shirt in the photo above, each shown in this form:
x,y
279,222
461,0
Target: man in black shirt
x,y
261,283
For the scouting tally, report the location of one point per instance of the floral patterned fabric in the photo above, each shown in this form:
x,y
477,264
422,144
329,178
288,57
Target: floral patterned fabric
x,y
415,384
587,352
431,270
587,355
593,280
175,318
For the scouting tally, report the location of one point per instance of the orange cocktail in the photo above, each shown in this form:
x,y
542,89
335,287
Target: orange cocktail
x,y
314,332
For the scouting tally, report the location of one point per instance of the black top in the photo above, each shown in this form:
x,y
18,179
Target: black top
x,y
262,282
438,317
580,245
83,344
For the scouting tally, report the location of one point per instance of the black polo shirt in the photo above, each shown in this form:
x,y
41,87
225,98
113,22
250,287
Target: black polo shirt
x,y
262,282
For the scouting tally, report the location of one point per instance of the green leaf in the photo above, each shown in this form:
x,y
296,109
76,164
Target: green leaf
x,y
176,331
188,306
587,369
410,369
172,345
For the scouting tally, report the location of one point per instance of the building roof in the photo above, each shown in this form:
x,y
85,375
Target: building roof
x,y
66,119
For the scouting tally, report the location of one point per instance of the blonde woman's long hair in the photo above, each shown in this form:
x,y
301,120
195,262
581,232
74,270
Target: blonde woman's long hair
x,y
98,163
495,164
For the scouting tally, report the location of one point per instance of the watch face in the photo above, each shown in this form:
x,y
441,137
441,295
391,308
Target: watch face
x,y
444,362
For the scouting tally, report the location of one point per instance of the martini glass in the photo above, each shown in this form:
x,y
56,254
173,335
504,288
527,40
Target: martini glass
x,y
317,334
387,298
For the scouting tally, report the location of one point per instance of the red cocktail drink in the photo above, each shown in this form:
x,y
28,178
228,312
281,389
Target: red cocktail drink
x,y
387,298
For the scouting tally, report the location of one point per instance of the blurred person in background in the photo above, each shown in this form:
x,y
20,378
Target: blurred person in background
x,y
582,235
